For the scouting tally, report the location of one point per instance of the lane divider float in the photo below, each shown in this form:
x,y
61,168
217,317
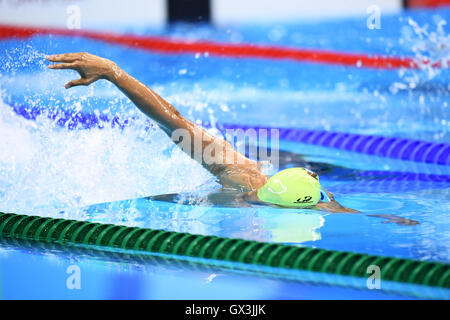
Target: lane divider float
x,y
220,49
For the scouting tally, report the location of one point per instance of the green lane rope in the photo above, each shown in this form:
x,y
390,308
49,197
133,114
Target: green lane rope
x,y
1,281
217,266
72,232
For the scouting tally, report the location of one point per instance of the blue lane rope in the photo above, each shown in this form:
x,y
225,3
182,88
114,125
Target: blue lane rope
x,y
390,147
396,148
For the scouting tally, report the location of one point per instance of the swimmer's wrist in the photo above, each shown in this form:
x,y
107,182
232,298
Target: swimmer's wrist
x,y
114,73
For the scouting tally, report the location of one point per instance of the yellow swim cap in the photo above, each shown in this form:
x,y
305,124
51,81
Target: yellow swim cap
x,y
292,187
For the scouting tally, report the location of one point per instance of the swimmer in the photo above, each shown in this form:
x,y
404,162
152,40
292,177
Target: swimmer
x,y
294,187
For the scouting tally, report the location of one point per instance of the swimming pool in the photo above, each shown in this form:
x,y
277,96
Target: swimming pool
x,y
83,153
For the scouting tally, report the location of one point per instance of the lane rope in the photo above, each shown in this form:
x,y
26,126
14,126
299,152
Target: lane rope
x,y
138,240
389,147
220,49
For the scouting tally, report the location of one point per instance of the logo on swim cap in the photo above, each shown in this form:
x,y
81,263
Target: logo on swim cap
x,y
306,199
293,187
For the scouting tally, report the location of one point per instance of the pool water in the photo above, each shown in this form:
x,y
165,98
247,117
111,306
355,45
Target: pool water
x,y
87,153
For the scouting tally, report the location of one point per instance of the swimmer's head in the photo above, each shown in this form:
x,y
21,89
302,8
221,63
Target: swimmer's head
x,y
294,187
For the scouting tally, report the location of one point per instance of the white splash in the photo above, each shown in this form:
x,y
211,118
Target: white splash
x,y
431,49
44,167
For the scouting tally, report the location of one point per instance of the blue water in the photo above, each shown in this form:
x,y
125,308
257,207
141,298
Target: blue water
x,y
53,166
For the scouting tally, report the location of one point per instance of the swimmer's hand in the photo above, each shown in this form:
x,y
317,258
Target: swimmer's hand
x,y
395,219
90,67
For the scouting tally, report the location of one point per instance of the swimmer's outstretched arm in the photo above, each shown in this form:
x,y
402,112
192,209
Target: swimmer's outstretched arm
x,y
234,170
335,207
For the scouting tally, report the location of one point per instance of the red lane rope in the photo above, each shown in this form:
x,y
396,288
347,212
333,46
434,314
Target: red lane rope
x,y
165,45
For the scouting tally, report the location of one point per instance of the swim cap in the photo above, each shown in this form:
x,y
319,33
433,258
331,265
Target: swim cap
x,y
292,187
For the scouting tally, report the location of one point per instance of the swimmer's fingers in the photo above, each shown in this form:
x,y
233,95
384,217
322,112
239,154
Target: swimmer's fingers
x,y
65,57
79,82
71,65
401,221
408,222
